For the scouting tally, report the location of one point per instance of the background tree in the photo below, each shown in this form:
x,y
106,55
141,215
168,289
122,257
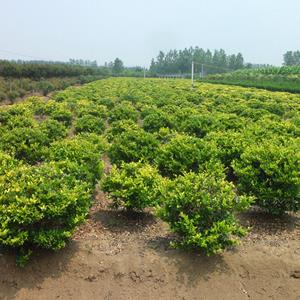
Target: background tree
x,y
118,66
292,58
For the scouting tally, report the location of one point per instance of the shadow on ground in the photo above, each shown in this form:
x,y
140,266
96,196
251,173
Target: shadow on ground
x,y
120,221
42,265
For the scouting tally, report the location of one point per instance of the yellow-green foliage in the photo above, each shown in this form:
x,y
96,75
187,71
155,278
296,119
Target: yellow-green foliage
x,y
51,157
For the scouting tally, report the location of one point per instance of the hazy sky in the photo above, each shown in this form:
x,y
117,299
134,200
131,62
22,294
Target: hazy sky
x,y
136,30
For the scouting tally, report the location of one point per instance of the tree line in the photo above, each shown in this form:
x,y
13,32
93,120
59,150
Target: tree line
x,y
37,70
179,61
292,58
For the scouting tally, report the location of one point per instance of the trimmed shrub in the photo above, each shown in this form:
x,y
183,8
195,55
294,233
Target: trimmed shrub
x,y
27,144
40,206
184,153
132,146
198,125
200,210
133,186
89,123
118,127
153,122
53,129
270,172
61,114
123,111
7,163
84,153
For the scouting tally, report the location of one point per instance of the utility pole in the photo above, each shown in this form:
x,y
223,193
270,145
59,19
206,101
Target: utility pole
x,y
192,74
144,72
202,71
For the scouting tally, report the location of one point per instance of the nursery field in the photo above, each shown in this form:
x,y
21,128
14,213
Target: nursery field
x,y
153,188
286,78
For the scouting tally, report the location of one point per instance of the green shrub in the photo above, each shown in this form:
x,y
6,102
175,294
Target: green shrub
x,y
15,121
12,96
40,206
153,122
200,209
61,114
198,125
133,186
7,163
81,151
109,103
118,127
133,145
270,172
123,111
3,96
45,87
85,107
53,129
184,153
89,123
27,144
230,145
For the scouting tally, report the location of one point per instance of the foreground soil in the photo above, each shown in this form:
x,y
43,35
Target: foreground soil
x,y
117,256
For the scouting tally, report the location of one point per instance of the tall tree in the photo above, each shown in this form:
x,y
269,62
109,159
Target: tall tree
x,y
118,66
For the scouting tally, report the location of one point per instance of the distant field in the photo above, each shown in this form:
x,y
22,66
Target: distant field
x,y
274,79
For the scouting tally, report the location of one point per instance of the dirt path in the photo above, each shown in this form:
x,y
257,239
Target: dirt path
x,y
114,256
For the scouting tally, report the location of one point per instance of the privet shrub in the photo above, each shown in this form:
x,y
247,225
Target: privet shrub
x,y
89,123
198,125
230,145
61,114
133,145
123,111
40,206
153,122
109,103
20,121
133,186
7,163
184,153
200,209
53,129
81,151
85,107
27,144
270,172
118,127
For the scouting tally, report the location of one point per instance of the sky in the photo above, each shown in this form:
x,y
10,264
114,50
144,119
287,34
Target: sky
x,y
136,30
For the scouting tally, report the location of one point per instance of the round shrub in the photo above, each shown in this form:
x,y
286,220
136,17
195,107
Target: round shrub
x,y
133,186
230,145
7,163
89,123
200,209
61,114
132,146
153,122
198,125
118,127
184,153
53,129
40,206
82,152
270,172
123,111
27,144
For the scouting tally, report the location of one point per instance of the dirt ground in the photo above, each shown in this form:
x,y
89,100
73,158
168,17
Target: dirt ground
x,y
115,256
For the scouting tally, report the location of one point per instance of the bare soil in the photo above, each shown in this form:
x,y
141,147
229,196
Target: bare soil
x,y
120,256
